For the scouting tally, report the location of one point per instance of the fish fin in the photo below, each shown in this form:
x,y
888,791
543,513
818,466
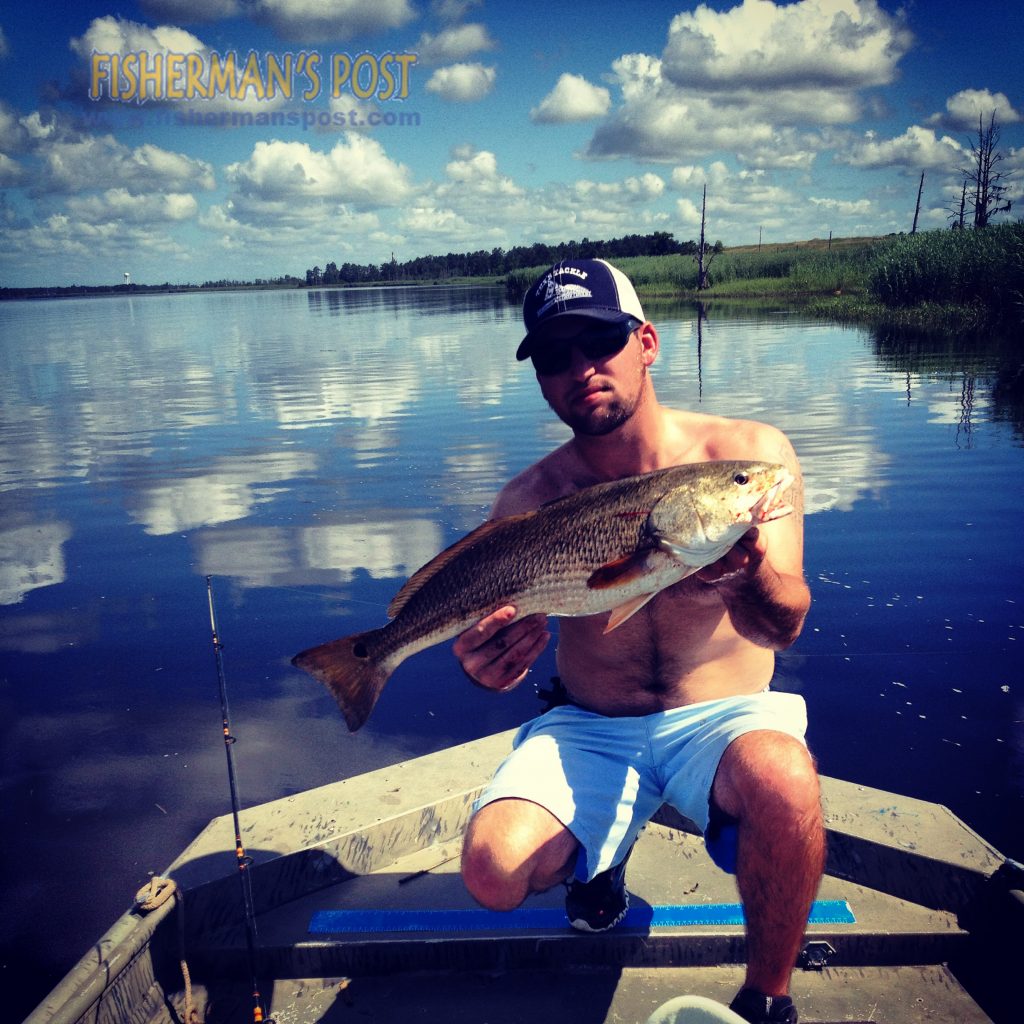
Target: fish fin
x,y
619,615
350,672
416,581
620,572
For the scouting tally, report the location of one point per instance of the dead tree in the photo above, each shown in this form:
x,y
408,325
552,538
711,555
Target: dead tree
x,y
988,188
917,209
703,259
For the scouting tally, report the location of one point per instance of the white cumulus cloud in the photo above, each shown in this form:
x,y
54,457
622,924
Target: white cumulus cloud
x,y
742,79
120,205
110,34
477,170
917,148
642,189
100,161
356,170
572,99
824,43
462,83
453,44
965,108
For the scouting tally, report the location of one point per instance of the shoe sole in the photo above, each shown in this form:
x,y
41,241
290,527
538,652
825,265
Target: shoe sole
x,y
583,925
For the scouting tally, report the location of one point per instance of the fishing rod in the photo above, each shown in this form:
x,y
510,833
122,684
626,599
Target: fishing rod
x,y
243,859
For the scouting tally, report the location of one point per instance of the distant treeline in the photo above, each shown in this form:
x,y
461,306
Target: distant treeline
x,y
71,291
498,262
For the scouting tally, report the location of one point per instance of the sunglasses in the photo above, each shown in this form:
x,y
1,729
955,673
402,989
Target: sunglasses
x,y
595,343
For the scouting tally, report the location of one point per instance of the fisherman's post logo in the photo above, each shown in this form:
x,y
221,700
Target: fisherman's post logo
x,y
142,77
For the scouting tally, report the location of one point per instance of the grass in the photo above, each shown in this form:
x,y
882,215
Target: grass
x,y
788,269
955,280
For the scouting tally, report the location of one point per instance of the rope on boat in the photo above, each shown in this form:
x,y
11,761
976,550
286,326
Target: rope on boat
x,y
156,894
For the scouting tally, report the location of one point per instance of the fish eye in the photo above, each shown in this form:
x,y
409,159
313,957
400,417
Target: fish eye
x,y
741,479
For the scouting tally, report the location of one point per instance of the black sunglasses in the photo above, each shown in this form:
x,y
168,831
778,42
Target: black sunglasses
x,y
595,343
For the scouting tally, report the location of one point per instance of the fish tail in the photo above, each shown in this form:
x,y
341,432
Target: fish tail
x,y
349,669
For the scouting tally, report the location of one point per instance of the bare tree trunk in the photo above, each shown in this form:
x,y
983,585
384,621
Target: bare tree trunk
x,y
984,170
702,274
917,209
703,260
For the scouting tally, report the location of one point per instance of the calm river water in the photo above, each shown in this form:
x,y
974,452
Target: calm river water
x,y
310,450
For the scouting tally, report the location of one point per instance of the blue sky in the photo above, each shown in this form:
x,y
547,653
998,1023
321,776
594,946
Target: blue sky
x,y
522,122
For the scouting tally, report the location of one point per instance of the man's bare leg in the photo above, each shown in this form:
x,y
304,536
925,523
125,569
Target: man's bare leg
x,y
767,781
514,848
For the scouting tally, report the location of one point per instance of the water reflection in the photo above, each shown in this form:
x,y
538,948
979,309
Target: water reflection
x,y
230,491
385,547
984,374
31,557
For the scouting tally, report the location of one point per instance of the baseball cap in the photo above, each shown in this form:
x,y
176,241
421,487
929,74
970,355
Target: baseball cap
x,y
591,288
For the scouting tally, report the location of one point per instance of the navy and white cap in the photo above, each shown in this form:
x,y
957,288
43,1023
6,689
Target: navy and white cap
x,y
591,288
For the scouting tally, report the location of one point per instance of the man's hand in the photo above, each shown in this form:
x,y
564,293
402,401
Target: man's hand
x,y
497,655
765,606
743,558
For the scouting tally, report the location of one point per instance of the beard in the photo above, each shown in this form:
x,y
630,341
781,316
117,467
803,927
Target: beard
x,y
600,421
608,418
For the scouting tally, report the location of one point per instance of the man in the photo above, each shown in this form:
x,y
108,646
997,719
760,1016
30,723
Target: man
x,y
570,800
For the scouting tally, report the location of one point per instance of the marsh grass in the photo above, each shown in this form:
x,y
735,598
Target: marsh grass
x,y
780,271
960,278
960,268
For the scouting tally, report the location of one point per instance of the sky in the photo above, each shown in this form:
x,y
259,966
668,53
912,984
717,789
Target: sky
x,y
271,136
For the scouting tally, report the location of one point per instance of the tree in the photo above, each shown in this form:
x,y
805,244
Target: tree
x,y
917,208
987,187
703,259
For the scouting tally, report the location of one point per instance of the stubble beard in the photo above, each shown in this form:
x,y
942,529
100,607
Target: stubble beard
x,y
599,422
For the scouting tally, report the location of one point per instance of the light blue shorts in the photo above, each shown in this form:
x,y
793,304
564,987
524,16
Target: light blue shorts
x,y
604,778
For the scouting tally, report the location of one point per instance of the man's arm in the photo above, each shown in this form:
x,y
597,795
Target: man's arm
x,y
761,579
766,606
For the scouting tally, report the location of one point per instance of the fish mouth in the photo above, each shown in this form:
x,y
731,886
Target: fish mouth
x,y
770,505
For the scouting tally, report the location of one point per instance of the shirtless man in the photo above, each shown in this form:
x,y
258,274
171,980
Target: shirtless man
x,y
570,800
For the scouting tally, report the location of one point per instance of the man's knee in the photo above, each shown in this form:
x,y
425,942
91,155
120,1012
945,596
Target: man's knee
x,y
765,771
511,851
487,878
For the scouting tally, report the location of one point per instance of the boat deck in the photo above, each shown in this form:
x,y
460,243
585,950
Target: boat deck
x,y
910,873
889,965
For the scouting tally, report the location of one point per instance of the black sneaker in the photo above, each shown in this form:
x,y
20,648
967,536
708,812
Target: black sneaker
x,y
758,1008
601,903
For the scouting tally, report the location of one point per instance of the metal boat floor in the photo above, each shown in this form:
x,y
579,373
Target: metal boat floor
x,y
888,966
667,867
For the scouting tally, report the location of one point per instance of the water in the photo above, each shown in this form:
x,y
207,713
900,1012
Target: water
x,y
310,450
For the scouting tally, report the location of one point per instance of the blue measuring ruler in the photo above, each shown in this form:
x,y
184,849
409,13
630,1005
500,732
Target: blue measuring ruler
x,y
326,922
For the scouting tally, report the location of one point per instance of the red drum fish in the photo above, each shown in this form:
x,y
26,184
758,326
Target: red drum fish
x,y
606,548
